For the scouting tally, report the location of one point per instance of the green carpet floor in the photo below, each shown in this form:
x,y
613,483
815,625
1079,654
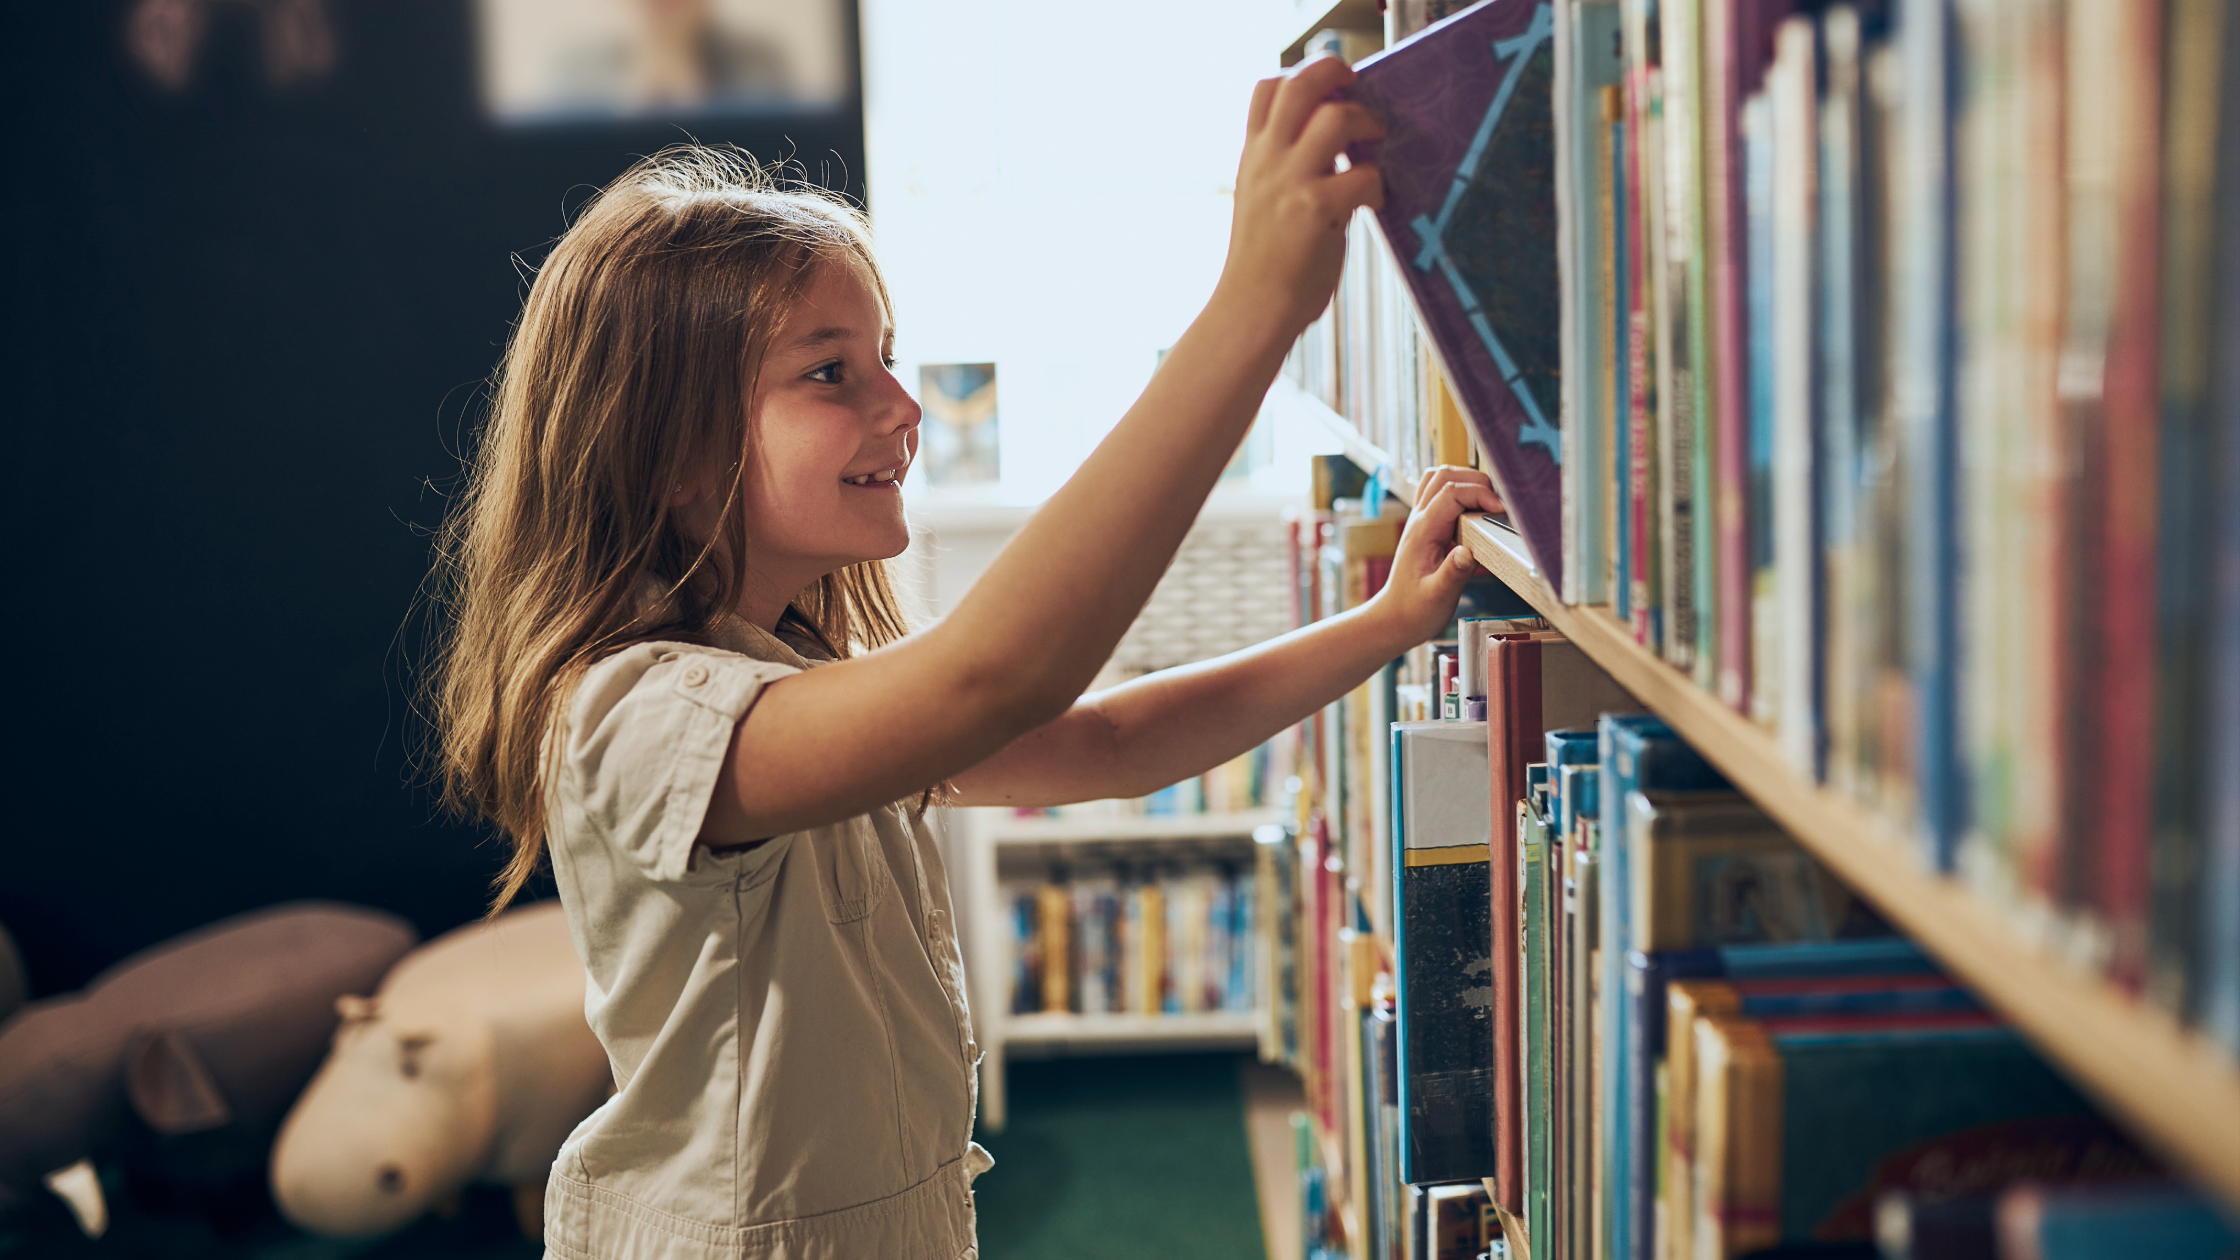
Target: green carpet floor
x,y
1105,1159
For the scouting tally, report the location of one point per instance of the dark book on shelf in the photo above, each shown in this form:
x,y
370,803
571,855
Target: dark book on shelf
x,y
1440,837
1470,212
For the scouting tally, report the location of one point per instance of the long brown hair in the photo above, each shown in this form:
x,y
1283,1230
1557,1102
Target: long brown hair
x,y
635,360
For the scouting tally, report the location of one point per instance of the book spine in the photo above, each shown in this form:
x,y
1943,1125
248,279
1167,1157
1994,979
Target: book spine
x,y
1570,276
2127,602
1840,371
2020,792
1513,733
1677,334
1792,94
1925,417
1584,1055
1727,338
1618,333
1740,1104
1532,1001
1756,129
1642,154
1703,514
2219,951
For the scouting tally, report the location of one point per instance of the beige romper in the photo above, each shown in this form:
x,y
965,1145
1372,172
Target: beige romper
x,y
787,1024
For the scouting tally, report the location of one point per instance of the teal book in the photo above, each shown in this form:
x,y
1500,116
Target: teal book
x,y
1799,1130
1637,752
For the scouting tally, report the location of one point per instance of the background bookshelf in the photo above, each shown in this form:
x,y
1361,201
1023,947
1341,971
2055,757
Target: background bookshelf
x,y
996,846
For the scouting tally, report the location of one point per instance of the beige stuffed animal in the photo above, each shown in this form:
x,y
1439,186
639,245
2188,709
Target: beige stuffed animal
x,y
472,1064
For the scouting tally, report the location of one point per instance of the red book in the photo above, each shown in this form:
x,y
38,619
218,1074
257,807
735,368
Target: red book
x,y
1534,684
1736,45
2132,416
1647,602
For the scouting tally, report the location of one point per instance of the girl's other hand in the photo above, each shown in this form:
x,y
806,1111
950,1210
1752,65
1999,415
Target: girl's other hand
x,y
1430,568
1287,238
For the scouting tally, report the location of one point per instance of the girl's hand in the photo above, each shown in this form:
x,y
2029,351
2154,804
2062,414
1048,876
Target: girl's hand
x,y
1429,569
1288,236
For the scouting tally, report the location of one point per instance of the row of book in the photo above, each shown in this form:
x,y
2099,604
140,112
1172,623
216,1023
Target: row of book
x,y
1896,426
1862,358
1173,942
1444,1039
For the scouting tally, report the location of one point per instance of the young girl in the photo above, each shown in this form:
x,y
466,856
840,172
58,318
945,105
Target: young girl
x,y
676,666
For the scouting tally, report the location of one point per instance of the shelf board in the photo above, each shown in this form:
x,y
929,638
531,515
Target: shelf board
x,y
1209,1028
1015,830
2176,1089
1309,16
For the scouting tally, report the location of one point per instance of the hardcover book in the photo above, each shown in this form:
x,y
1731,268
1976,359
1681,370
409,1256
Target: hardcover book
x,y
1470,213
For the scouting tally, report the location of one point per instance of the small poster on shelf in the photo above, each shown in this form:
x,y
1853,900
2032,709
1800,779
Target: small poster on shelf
x,y
577,61
958,445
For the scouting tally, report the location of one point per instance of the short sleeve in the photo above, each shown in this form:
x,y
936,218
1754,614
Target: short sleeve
x,y
646,736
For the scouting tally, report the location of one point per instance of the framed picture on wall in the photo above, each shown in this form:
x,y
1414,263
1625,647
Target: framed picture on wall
x,y
958,443
563,61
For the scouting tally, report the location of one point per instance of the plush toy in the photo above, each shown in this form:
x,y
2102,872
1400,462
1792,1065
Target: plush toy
x,y
183,1056
471,1064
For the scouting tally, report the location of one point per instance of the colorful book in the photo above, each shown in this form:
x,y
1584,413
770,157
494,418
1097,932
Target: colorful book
x,y
1535,685
1441,835
2187,495
1800,1128
1678,337
1792,93
1643,152
2220,885
1469,211
1636,752
1587,64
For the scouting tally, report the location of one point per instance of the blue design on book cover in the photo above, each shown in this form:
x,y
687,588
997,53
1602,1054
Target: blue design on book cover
x,y
1469,171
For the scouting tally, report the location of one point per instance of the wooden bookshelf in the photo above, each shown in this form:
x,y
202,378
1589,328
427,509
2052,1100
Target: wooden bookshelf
x,y
2175,1089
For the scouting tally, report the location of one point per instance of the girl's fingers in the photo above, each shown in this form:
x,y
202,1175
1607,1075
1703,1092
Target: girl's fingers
x,y
1302,89
1437,479
1363,185
1334,126
1263,99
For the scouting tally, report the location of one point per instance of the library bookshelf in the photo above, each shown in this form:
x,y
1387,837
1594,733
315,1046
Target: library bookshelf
x,y
984,839
2178,1092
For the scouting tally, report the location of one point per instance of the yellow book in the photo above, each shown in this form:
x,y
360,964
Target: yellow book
x,y
1737,1182
1684,1001
1054,907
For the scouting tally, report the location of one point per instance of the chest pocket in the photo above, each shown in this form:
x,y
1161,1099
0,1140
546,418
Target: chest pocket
x,y
850,872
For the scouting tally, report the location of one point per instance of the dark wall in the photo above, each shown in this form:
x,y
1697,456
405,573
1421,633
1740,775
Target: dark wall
x,y
245,334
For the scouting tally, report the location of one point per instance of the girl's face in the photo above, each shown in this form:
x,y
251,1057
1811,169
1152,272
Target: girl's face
x,y
830,436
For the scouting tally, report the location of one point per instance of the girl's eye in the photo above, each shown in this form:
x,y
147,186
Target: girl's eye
x,y
826,374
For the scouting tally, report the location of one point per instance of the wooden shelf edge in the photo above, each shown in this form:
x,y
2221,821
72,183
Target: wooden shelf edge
x,y
2175,1088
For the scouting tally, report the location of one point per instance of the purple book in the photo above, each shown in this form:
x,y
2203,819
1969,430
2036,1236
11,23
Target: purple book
x,y
1470,210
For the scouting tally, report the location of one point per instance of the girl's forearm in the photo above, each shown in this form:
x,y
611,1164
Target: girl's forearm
x,y
1159,729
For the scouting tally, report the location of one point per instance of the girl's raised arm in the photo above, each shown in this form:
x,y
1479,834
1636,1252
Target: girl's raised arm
x,y
833,742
